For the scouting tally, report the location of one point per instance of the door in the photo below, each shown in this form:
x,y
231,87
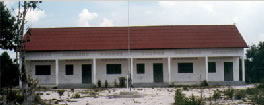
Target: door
x,y
158,72
228,71
86,73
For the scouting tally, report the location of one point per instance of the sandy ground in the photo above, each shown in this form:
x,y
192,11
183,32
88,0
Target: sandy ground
x,y
151,96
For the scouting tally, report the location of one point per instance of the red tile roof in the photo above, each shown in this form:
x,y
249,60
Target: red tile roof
x,y
141,37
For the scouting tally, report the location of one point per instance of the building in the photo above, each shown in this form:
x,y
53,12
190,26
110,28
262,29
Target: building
x,y
155,55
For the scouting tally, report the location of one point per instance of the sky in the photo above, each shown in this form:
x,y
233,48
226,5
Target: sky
x,y
248,16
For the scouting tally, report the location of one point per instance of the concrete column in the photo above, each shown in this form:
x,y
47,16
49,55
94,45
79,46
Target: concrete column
x,y
57,71
169,69
131,70
243,69
206,68
94,70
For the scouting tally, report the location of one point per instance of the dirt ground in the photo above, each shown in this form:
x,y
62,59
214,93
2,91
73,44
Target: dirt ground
x,y
150,96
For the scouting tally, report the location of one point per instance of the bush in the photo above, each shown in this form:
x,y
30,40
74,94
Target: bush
x,y
252,91
204,83
216,95
76,95
72,90
106,84
99,83
38,100
229,93
11,96
122,81
179,97
240,94
193,101
60,92
185,88
19,99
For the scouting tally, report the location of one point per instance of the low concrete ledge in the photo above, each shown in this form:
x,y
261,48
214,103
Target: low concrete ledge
x,y
226,83
75,86
150,84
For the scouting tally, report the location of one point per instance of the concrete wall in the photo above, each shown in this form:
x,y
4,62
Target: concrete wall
x,y
148,57
147,77
197,75
43,79
101,70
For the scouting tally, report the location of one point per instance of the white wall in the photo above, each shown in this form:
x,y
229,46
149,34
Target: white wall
x,y
101,70
177,55
147,77
43,79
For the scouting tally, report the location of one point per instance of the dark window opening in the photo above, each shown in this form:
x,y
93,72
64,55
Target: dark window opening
x,y
185,67
211,67
42,70
140,68
113,68
69,69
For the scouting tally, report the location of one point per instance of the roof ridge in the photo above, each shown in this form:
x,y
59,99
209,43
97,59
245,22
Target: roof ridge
x,y
137,26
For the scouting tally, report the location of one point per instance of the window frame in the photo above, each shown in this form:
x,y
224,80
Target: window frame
x,y
114,72
214,71
37,71
184,69
69,71
138,68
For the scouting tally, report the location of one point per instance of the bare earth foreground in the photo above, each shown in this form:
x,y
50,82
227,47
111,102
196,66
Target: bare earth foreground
x,y
151,96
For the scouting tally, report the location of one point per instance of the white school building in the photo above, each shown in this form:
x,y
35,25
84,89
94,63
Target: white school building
x,y
155,55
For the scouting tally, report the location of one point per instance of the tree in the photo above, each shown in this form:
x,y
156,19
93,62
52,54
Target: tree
x,y
9,71
8,28
255,63
12,37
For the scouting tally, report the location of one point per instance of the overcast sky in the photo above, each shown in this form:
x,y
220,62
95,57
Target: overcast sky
x,y
248,16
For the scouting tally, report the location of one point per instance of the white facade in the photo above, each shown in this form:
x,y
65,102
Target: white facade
x,y
169,58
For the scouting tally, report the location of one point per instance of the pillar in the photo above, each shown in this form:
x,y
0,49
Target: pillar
x,y
243,69
131,70
169,69
94,70
206,68
57,71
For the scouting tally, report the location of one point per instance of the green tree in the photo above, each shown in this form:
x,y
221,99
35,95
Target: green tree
x,y
255,63
9,71
8,28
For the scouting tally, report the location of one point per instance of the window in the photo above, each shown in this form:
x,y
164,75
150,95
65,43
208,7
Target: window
x,y
185,67
140,68
211,67
69,70
42,70
113,68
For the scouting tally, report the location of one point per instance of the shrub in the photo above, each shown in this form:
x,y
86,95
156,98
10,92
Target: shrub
x,y
193,101
19,99
179,97
106,84
76,95
122,81
38,100
216,95
240,94
252,91
229,93
204,83
72,90
261,85
60,92
11,96
185,88
99,83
